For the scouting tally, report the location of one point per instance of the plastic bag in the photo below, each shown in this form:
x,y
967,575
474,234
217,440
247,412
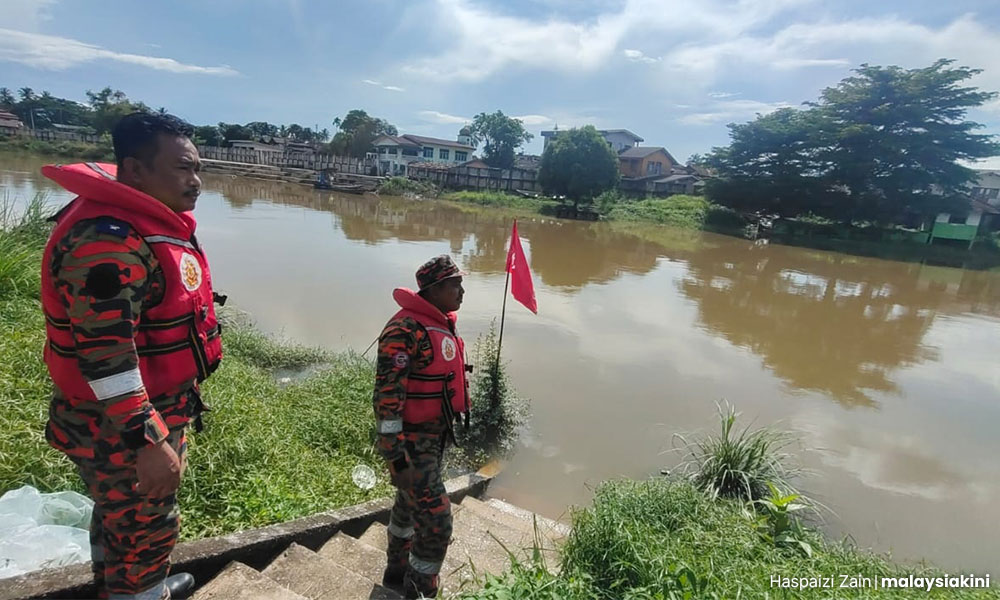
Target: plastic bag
x,y
39,531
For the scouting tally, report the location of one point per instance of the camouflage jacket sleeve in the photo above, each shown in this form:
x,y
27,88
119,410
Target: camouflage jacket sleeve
x,y
403,346
103,271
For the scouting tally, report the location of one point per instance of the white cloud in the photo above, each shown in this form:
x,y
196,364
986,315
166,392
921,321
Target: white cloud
x,y
533,119
730,110
483,41
638,56
697,43
25,15
443,118
391,88
722,95
59,53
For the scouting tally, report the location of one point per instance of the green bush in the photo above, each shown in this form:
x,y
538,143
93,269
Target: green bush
x,y
401,186
498,412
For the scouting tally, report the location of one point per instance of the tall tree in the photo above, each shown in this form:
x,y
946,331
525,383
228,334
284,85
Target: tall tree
x,y
7,99
110,106
895,136
502,134
357,131
234,131
772,164
208,135
579,164
882,145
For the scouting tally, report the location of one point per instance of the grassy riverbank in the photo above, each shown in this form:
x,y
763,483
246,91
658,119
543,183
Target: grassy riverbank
x,y
269,452
719,527
272,450
63,149
664,539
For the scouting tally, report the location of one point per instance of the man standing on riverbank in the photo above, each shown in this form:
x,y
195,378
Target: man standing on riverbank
x,y
420,388
131,332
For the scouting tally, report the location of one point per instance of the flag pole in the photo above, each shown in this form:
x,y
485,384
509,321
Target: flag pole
x,y
494,392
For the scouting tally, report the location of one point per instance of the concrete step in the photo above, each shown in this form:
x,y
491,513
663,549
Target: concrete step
x,y
239,582
355,555
376,536
309,574
550,533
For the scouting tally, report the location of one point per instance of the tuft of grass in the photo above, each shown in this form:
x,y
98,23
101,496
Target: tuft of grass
x,y
739,463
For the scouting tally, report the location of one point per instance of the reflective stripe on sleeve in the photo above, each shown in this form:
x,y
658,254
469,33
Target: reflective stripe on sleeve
x,y
117,385
390,426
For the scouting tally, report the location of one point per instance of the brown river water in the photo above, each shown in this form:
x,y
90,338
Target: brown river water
x,y
887,371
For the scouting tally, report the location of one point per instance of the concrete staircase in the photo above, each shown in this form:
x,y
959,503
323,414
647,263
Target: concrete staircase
x,y
485,535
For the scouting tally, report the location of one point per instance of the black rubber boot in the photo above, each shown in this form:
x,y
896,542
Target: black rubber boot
x,y
417,586
180,586
393,577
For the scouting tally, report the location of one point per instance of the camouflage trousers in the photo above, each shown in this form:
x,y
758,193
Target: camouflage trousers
x,y
131,535
420,523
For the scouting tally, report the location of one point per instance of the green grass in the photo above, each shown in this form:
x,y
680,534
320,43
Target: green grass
x,y
65,149
269,453
400,186
501,200
663,538
686,212
739,463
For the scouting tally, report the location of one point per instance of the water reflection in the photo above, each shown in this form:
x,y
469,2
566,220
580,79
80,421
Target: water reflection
x,y
565,255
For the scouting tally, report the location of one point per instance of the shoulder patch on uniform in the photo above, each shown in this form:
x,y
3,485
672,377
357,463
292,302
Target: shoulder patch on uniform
x,y
401,360
113,226
104,281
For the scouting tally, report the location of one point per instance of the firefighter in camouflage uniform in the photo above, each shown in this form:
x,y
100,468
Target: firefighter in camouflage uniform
x,y
131,330
420,390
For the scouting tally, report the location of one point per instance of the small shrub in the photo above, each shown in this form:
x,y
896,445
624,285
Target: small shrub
x,y
739,464
401,186
497,411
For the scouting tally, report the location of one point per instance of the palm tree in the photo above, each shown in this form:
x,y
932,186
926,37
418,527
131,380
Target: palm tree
x,y
6,98
26,93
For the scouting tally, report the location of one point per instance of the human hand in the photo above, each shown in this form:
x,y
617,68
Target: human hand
x,y
158,470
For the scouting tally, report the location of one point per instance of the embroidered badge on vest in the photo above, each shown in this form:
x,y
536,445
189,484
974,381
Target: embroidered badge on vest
x,y
448,350
190,272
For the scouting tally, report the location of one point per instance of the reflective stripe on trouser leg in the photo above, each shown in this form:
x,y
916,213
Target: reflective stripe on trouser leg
x,y
400,532
431,508
425,567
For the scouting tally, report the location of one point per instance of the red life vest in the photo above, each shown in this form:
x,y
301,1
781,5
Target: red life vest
x,y
426,388
178,340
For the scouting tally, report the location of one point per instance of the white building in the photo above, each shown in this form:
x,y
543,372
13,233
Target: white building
x,y
396,151
619,139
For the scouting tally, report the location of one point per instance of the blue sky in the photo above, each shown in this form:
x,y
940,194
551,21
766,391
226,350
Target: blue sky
x,y
674,72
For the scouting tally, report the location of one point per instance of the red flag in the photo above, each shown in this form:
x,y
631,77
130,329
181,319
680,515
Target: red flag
x,y
521,286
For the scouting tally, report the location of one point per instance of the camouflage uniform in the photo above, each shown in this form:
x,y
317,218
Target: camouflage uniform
x,y
106,279
420,524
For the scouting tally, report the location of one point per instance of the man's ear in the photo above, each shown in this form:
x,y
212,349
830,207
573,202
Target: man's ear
x,y
131,170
